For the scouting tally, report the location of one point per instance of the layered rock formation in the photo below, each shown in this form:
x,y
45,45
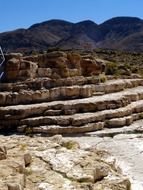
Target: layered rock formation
x,y
56,164
63,92
54,65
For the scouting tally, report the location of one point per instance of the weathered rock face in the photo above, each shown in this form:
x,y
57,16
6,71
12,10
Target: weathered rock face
x,y
18,69
12,68
92,66
54,65
56,164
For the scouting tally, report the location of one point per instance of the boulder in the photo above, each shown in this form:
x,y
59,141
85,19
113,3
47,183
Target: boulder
x,y
115,184
91,67
27,159
28,69
16,68
16,182
14,186
100,172
12,68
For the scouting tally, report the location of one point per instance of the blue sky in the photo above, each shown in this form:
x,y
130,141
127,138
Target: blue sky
x,y
23,13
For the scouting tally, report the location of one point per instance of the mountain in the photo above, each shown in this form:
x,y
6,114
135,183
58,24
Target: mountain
x,y
117,30
37,37
124,33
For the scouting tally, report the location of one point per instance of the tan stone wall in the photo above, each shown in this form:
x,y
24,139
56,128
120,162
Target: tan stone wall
x,y
53,65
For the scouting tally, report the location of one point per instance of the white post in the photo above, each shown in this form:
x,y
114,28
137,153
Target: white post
x,y
2,59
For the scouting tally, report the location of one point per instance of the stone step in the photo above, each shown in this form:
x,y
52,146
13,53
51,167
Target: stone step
x,y
89,127
66,92
47,83
134,128
110,116
45,95
56,129
91,104
117,85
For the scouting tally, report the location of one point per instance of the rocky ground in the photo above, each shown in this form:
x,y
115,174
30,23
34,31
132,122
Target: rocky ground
x,y
56,163
125,144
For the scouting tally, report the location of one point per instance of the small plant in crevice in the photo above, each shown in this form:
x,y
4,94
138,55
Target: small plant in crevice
x,y
102,78
23,146
28,171
28,131
70,144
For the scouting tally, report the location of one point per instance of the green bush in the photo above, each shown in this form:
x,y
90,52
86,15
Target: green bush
x,y
29,131
70,144
111,68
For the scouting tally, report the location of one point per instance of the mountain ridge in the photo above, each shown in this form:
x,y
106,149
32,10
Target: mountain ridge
x,y
123,33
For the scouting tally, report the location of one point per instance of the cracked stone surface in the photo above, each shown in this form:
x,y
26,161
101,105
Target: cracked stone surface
x,y
125,144
56,163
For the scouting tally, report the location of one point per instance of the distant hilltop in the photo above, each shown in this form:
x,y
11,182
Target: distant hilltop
x,y
123,33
